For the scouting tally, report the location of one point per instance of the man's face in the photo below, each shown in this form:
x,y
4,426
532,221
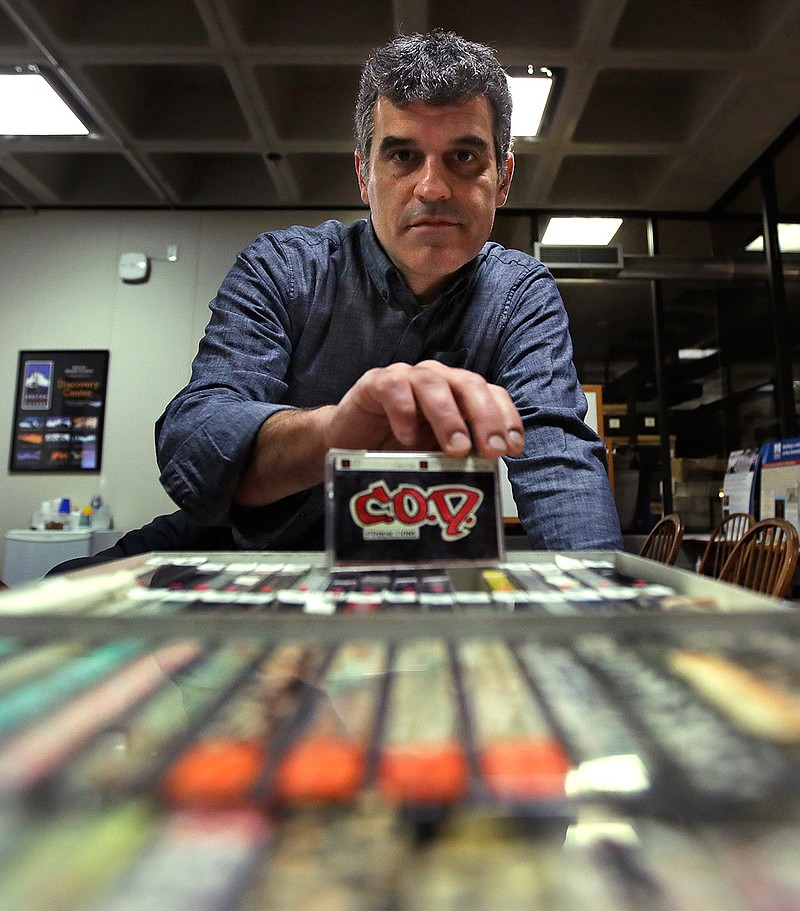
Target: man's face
x,y
432,187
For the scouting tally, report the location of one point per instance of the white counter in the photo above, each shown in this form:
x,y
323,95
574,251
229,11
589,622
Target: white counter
x,y
30,554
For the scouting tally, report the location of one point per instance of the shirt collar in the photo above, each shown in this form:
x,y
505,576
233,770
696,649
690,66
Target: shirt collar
x,y
390,282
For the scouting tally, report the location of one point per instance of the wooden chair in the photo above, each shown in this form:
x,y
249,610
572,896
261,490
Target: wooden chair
x,y
664,541
723,539
765,559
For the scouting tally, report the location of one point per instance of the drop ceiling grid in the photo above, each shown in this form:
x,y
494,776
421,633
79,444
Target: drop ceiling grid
x,y
191,93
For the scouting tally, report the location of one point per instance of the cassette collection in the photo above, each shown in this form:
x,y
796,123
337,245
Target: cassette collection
x,y
188,742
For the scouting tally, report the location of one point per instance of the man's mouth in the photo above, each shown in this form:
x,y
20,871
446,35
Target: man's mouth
x,y
434,216
434,223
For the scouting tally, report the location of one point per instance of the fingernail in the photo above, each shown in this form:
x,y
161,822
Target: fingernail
x,y
497,442
515,438
460,440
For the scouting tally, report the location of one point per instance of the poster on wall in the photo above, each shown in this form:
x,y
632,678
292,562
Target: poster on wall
x,y
738,486
780,480
59,411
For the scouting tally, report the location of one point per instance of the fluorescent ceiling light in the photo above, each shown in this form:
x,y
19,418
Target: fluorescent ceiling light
x,y
529,94
695,354
30,106
581,230
788,239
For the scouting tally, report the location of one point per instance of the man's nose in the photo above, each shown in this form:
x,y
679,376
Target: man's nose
x,y
433,183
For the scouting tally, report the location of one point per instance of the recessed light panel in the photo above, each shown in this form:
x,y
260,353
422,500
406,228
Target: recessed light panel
x,y
696,354
530,93
30,106
788,240
581,230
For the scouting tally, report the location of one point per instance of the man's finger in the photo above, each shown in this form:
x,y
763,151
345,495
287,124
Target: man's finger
x,y
427,402
496,424
465,411
482,411
438,404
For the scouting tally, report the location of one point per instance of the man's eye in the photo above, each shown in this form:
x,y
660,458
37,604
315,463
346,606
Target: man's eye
x,y
464,156
402,155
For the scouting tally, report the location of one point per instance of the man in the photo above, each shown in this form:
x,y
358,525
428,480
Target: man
x,y
404,331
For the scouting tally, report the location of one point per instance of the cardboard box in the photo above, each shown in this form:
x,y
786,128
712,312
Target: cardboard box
x,y
647,424
710,469
617,425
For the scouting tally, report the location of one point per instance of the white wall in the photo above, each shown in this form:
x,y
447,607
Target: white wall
x,y
59,288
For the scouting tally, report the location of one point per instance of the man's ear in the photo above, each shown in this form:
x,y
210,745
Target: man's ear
x,y
361,173
505,185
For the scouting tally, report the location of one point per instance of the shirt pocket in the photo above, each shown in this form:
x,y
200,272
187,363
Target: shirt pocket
x,y
456,358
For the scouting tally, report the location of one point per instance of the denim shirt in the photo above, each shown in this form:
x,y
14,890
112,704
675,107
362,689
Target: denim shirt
x,y
305,312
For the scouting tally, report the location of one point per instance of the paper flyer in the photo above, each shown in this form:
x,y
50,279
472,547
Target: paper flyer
x,y
780,481
737,486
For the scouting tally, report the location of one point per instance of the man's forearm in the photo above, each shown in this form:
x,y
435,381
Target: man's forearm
x,y
288,456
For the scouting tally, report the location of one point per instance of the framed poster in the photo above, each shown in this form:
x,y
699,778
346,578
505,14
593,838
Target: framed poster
x,y
59,411
594,408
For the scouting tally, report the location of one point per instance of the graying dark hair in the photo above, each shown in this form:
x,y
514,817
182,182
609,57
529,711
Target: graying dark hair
x,y
438,68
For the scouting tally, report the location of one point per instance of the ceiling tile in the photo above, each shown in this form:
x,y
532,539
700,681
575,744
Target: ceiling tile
x,y
10,35
325,179
171,102
605,181
218,179
321,23
310,102
537,23
524,172
714,25
92,22
648,106
89,179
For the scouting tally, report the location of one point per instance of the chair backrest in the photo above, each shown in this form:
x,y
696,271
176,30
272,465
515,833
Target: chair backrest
x,y
724,538
664,541
765,559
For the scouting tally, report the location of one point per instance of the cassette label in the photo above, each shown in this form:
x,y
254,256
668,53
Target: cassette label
x,y
411,508
399,513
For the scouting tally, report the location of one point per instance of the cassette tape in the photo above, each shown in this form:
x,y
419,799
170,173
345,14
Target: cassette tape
x,y
411,508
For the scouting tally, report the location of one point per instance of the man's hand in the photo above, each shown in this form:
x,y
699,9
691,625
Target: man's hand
x,y
424,406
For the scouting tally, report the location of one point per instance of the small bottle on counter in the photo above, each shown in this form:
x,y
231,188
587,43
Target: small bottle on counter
x,y
101,514
42,516
64,518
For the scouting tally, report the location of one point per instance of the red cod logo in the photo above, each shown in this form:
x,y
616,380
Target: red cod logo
x,y
399,513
